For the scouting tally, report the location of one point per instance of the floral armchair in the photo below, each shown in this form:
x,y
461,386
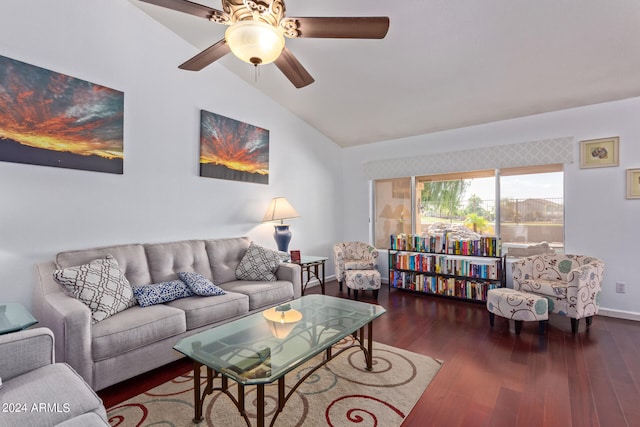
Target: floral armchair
x,y
356,265
571,283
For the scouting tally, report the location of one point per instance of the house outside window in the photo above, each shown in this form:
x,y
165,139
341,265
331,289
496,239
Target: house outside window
x,y
530,210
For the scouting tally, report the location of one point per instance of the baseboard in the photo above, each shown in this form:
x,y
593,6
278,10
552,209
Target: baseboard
x,y
316,282
619,314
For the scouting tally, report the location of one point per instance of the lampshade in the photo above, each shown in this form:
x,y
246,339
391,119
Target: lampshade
x,y
279,209
282,320
255,42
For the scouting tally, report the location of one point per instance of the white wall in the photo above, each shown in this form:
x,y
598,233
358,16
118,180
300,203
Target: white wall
x,y
599,220
160,196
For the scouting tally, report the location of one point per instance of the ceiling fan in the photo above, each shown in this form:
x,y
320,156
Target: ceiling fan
x,y
257,29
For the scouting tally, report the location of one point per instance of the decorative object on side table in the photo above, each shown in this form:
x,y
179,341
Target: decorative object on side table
x,y
633,183
599,153
280,209
295,256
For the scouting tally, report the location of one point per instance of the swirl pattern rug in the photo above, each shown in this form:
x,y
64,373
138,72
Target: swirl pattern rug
x,y
341,393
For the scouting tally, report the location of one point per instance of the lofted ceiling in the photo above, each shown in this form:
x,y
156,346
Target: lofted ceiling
x,y
444,64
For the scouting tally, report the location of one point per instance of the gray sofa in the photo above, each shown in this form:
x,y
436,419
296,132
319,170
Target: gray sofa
x,y
38,392
140,339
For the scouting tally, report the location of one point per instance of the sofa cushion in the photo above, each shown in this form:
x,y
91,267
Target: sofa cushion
x,y
58,387
200,285
201,311
158,293
100,285
89,419
131,259
134,328
261,293
552,288
358,265
260,263
167,259
224,257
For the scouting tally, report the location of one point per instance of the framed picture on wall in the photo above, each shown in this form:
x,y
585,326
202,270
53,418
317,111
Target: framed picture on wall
x,y
599,153
633,183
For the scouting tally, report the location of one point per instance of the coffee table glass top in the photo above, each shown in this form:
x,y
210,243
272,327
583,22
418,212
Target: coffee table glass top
x,y
14,317
262,347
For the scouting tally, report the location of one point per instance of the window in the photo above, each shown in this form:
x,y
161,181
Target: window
x,y
530,208
392,209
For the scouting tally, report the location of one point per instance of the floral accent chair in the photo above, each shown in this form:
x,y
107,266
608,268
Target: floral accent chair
x,y
356,265
571,283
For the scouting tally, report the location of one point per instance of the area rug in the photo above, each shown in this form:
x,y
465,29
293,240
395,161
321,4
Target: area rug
x,y
342,393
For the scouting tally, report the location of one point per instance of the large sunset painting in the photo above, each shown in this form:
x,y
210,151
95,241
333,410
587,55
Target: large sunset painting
x,y
51,119
233,150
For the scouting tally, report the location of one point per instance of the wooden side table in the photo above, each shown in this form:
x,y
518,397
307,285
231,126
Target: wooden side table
x,y
314,267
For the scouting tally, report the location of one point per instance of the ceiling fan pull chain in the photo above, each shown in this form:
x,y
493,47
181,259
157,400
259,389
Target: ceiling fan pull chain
x,y
256,72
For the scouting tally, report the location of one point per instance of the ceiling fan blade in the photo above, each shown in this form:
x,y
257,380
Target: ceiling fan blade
x,y
187,7
342,28
293,69
207,56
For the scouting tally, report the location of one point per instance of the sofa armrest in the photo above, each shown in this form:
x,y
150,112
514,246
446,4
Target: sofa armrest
x,y
291,273
584,285
24,351
68,318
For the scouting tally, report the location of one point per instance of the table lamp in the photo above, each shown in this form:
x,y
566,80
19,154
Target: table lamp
x,y
280,209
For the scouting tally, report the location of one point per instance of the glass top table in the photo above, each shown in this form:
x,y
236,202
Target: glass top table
x,y
14,317
314,267
263,347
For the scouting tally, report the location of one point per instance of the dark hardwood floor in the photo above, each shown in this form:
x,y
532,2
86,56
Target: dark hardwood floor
x,y
490,376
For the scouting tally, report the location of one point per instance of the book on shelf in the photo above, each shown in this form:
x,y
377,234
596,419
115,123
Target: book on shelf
x,y
445,264
447,244
447,286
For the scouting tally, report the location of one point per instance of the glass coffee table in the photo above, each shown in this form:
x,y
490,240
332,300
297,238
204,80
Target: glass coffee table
x,y
263,347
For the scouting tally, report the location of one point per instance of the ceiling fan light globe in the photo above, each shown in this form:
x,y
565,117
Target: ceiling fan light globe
x,y
255,42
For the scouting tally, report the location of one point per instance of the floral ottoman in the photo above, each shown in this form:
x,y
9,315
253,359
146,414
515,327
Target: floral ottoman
x,y
518,306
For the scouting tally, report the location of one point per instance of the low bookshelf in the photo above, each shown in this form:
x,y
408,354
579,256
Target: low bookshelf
x,y
441,266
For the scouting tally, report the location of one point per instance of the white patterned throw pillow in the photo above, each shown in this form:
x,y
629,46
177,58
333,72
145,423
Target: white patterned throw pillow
x,y
260,264
100,285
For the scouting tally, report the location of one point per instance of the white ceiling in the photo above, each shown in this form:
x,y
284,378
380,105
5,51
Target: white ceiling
x,y
444,64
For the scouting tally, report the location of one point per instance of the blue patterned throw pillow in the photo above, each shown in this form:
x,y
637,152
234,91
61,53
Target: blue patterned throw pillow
x,y
200,285
158,293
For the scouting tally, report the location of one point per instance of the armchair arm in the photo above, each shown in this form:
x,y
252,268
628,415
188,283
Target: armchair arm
x,y
24,351
291,272
68,318
584,285
338,262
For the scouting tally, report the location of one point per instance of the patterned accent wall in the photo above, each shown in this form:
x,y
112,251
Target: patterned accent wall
x,y
534,153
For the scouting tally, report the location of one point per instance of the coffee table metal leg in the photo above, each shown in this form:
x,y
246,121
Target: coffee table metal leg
x,y
260,405
370,346
197,399
281,394
243,412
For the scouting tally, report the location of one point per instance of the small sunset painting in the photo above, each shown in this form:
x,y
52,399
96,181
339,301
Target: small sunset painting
x,y
233,150
51,119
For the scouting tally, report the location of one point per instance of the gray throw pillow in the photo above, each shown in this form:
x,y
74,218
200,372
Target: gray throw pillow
x,y
260,263
99,284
